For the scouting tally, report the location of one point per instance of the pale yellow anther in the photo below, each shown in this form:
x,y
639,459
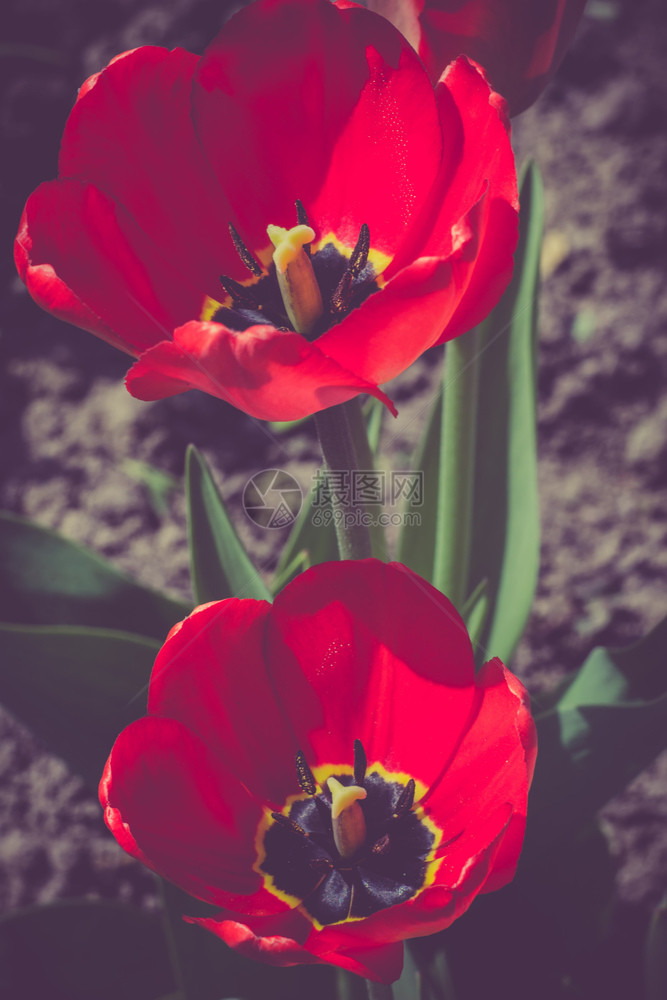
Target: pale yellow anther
x,y
347,817
296,279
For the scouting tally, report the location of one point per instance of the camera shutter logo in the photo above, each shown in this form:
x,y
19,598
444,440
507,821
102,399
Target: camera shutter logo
x,y
272,498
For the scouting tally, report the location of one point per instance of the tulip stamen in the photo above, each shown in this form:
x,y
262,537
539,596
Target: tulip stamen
x,y
240,294
381,846
342,295
351,843
290,824
359,256
320,866
306,288
302,219
304,775
243,252
360,763
405,800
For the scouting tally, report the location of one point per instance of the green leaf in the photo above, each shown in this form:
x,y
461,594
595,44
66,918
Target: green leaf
x,y
299,564
588,755
426,972
505,536
76,688
77,950
456,472
285,426
158,483
311,541
612,675
416,542
597,738
374,411
502,543
474,612
47,580
558,912
220,565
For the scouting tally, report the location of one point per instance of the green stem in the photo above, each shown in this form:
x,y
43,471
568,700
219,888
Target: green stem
x,y
170,937
357,424
339,455
457,464
366,461
379,991
345,985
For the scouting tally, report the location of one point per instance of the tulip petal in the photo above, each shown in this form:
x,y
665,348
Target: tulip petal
x,y
210,675
51,293
131,135
520,42
489,775
284,941
359,650
471,216
166,792
327,105
432,910
271,374
162,150
274,939
387,157
78,242
482,198
386,665
391,329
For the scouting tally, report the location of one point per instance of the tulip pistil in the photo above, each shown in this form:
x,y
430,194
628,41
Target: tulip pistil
x,y
296,279
351,843
307,286
347,818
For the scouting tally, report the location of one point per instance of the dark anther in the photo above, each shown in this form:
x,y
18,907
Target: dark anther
x,y
340,300
241,295
405,800
304,775
359,256
381,846
302,219
322,865
289,824
360,763
301,215
243,252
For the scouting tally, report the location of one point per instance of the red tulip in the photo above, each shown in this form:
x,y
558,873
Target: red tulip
x,y
327,770
410,193
520,43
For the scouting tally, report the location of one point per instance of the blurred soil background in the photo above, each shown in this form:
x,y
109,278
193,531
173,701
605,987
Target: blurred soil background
x,y
71,436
